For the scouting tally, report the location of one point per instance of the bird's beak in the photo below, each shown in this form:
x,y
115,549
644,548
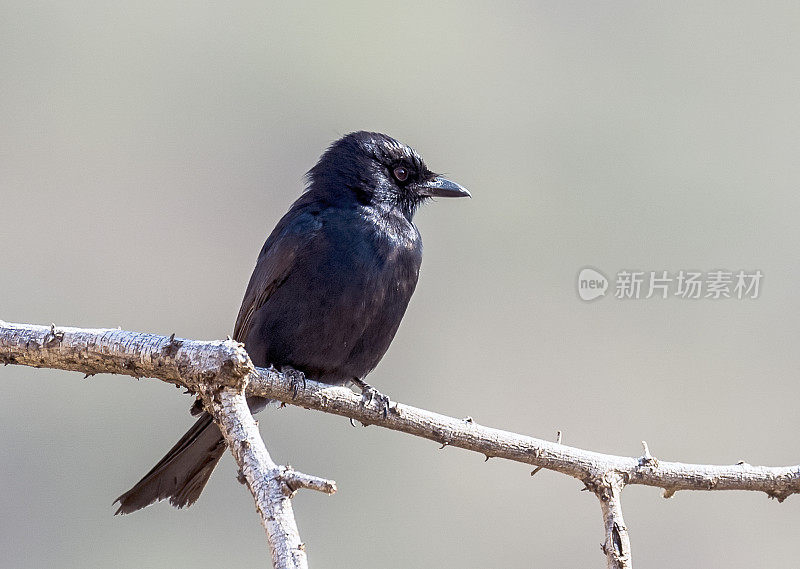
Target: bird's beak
x,y
440,187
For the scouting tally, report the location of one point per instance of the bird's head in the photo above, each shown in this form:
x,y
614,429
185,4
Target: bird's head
x,y
374,169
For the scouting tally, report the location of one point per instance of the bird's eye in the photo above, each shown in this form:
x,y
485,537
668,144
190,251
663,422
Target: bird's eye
x,y
401,173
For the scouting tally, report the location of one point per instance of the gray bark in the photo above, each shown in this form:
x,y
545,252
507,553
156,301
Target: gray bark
x,y
216,371
221,373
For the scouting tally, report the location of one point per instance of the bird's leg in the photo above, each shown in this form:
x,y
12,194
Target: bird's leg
x,y
296,378
370,394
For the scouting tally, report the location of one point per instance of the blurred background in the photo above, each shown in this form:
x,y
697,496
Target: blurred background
x,y
147,149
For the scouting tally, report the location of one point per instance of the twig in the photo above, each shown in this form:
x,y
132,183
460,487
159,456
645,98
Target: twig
x,y
295,480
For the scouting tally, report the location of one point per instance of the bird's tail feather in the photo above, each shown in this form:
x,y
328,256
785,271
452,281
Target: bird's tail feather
x,y
183,472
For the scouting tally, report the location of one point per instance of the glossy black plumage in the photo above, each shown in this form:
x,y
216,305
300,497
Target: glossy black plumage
x,y
328,292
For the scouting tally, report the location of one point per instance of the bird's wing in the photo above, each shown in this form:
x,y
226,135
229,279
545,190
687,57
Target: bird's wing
x,y
276,261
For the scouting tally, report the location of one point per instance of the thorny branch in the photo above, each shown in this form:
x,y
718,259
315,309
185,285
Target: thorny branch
x,y
223,367
217,371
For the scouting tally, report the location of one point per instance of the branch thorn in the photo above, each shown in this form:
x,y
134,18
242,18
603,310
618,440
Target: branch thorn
x,y
647,458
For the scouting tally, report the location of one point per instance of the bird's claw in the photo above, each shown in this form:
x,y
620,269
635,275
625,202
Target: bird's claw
x,y
296,378
369,395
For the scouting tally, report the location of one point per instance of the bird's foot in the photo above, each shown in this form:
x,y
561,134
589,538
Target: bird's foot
x,y
369,395
296,378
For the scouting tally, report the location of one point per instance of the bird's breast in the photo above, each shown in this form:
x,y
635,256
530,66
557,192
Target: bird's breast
x,y
390,228
338,309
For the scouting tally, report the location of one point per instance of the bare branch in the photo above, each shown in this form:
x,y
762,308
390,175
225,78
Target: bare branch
x,y
265,479
777,482
188,363
220,371
217,371
617,546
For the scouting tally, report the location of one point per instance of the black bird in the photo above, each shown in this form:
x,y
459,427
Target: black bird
x,y
329,289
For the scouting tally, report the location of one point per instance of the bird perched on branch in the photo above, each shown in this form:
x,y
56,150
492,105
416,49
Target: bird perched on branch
x,y
329,289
